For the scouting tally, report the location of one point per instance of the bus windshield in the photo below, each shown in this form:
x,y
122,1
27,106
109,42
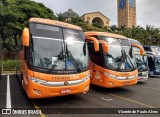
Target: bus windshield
x,y
120,56
156,50
50,46
157,62
141,61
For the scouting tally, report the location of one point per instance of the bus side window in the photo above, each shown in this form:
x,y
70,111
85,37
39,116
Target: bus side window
x,y
148,49
96,57
151,62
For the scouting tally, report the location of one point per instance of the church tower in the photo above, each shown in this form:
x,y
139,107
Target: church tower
x,y
126,13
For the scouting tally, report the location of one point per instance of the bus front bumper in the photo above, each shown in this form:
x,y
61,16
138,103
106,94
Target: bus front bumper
x,y
143,76
113,83
35,90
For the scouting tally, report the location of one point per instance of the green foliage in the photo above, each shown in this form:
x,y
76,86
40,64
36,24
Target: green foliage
x,y
60,17
14,15
9,65
147,36
87,27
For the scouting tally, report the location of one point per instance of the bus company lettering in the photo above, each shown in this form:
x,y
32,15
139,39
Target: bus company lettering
x,y
124,74
73,77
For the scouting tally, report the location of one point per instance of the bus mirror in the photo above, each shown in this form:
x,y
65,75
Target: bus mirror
x,y
142,52
105,45
130,52
25,37
95,41
84,49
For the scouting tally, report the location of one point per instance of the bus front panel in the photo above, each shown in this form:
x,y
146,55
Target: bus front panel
x,y
43,85
111,79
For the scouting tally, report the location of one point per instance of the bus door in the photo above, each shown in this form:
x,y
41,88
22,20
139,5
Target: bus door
x,y
96,64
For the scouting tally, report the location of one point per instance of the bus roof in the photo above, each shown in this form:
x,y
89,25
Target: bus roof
x,y
54,22
92,33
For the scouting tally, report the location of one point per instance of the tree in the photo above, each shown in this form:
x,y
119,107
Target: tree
x,y
60,17
75,20
147,36
113,28
14,14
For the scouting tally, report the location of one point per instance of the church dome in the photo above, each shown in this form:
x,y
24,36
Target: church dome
x,y
70,13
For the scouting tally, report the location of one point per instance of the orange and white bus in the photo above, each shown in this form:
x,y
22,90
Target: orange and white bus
x,y
114,64
53,59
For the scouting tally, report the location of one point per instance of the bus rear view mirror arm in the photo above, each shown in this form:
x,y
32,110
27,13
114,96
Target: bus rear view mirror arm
x,y
25,37
95,41
105,45
142,52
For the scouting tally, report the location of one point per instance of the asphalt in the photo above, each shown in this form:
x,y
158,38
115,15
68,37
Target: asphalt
x,y
97,102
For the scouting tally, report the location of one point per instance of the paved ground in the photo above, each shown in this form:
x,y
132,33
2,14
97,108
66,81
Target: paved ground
x,y
144,95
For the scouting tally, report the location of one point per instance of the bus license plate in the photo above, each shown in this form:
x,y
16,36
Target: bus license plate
x,y
141,79
126,83
63,91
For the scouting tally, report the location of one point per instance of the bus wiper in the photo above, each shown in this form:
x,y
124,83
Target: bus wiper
x,y
126,56
59,57
122,60
142,63
73,60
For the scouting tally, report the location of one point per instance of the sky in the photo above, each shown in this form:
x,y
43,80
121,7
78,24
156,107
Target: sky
x,y
148,11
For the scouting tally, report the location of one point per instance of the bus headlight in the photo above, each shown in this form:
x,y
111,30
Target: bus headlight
x,y
120,78
144,73
110,75
86,78
132,77
35,80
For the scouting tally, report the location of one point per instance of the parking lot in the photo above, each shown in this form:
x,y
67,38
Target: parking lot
x,y
98,100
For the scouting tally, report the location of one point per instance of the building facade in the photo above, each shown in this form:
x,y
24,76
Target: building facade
x,y
126,13
96,18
